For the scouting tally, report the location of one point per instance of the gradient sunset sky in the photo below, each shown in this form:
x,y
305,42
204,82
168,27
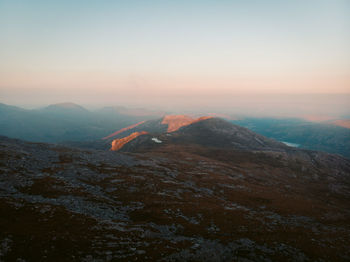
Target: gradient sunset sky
x,y
157,52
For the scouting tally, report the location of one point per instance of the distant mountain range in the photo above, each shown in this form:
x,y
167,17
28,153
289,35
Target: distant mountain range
x,y
74,125
66,122
323,136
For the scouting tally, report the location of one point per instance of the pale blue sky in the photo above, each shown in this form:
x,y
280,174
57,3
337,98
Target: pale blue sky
x,y
123,47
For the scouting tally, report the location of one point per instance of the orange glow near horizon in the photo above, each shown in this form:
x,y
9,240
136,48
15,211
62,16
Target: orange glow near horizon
x,y
174,54
177,84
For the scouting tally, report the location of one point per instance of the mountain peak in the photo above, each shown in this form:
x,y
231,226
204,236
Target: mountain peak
x,y
175,122
66,106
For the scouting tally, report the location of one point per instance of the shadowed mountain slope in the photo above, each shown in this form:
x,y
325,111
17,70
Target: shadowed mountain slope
x,y
168,124
209,132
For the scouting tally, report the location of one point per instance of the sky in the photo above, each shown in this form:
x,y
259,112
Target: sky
x,y
191,53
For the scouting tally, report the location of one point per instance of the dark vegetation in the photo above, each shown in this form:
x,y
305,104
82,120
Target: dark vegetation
x,y
243,198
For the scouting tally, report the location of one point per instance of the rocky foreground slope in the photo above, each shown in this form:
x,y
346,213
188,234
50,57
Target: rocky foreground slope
x,y
184,199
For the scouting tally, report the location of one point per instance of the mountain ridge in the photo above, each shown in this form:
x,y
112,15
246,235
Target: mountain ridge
x,y
82,129
206,131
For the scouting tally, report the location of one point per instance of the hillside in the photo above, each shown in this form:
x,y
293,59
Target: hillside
x,y
210,191
315,136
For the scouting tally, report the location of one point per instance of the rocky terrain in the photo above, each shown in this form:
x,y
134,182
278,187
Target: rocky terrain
x,y
210,191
